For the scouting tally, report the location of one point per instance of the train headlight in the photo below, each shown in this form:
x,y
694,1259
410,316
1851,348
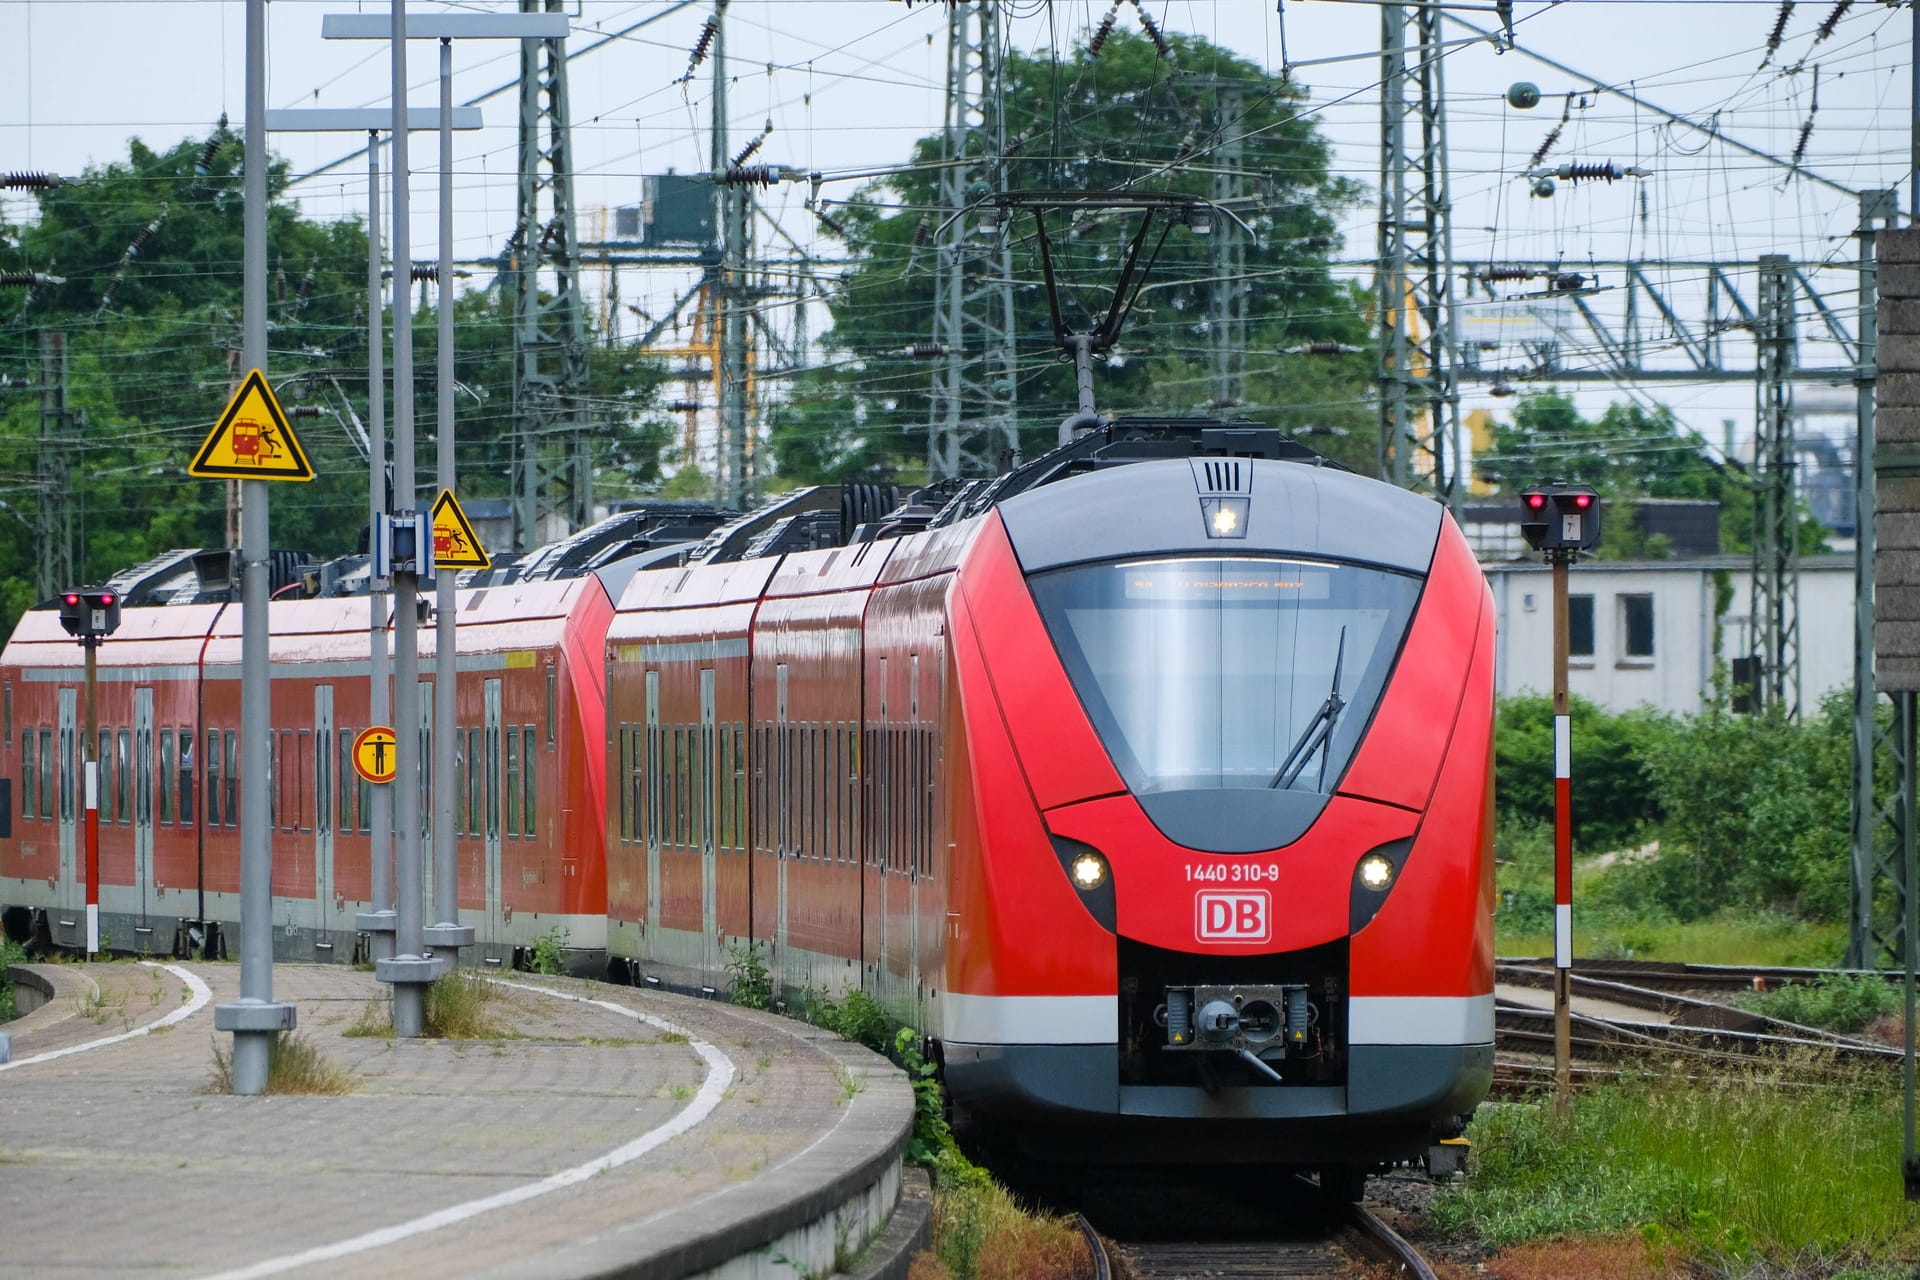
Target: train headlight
x,y
1089,871
1376,872
1225,520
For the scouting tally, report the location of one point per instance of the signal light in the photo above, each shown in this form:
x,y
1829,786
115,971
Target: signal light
x,y
1536,500
1572,526
89,615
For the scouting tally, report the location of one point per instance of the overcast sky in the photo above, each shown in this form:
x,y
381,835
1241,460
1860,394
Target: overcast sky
x,y
848,86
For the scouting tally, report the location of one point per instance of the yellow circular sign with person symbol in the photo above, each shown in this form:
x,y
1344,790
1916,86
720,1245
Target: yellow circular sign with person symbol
x,y
375,756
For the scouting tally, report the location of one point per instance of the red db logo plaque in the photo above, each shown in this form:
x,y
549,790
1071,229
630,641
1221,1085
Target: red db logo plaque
x,y
1244,915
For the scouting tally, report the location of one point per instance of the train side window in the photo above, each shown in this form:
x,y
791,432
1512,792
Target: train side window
x,y
683,786
830,787
213,777
283,780
105,761
122,777
165,788
817,789
304,769
6,735
622,746
186,778
29,775
476,775
343,755
636,780
723,812
320,751
232,779
530,779
698,785
492,758
762,812
653,781
513,782
669,824
739,771
550,682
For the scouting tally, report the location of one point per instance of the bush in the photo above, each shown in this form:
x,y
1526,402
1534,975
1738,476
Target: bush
x,y
550,951
751,985
1838,1002
1613,801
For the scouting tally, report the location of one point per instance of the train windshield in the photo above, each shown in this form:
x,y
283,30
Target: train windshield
x,y
1201,674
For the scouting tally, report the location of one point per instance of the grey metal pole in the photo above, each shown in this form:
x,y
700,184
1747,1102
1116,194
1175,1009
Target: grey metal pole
x,y
255,1019
380,923
410,969
446,936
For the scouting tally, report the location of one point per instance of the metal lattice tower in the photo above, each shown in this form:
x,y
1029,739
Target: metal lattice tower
x,y
53,523
973,423
1227,300
1419,398
1775,616
552,459
733,297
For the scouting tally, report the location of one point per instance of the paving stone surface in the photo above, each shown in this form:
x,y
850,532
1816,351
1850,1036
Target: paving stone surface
x,y
126,1159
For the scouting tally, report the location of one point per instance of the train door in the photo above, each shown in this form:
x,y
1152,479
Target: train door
x,y
323,804
916,806
781,816
73,896
496,909
704,821
142,814
653,790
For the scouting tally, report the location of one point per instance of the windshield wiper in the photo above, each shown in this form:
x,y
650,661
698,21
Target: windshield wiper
x,y
1318,730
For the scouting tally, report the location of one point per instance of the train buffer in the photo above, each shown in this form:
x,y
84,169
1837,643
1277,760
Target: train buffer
x,y
620,1130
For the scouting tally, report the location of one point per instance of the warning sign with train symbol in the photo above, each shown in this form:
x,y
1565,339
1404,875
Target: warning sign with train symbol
x,y
252,440
455,544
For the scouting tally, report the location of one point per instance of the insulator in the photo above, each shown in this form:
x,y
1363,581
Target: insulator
x,y
203,163
831,223
749,175
1492,273
305,295
1553,136
924,350
305,411
1324,348
1833,20
746,152
279,284
1098,40
1800,147
31,180
28,279
424,271
921,231
1779,31
704,44
108,294
1152,28
1590,171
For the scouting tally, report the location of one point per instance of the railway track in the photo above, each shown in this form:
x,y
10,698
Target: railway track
x,y
1301,1237
1706,981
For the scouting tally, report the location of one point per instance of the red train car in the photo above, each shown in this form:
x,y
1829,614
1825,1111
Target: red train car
x,y
1153,783
529,772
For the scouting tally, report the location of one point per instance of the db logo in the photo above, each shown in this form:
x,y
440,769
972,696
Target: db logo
x,y
1242,916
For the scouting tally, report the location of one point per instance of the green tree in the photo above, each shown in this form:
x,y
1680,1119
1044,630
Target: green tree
x,y
153,338
1129,118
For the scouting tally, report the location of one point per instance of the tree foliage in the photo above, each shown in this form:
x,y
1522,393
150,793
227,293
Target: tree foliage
x,y
1127,119
153,356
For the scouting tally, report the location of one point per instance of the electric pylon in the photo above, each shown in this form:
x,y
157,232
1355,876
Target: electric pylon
x,y
973,428
552,458
1413,283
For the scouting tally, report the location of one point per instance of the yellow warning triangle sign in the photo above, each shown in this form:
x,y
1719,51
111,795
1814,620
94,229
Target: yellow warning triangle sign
x,y
252,440
455,544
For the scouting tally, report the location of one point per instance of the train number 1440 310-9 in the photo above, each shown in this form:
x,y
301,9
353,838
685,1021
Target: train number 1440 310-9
x,y
1233,872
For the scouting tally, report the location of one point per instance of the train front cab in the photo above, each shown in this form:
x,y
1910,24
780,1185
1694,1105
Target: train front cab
x,y
1184,889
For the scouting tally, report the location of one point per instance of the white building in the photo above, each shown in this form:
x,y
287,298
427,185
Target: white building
x,y
1649,632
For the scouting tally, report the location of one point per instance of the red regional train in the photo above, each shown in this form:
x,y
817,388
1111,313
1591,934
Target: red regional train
x,y
1151,779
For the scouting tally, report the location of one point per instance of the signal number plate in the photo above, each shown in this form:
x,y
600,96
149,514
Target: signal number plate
x,y
1244,915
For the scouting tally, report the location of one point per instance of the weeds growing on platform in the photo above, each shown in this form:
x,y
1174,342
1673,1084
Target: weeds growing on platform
x,y
751,986
294,1066
1724,1178
457,1008
11,953
980,1232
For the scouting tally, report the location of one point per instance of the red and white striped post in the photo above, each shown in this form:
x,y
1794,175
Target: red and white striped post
x,y
92,646
1562,843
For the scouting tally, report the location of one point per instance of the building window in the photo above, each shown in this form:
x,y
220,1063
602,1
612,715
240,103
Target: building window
x,y
1636,626
1580,626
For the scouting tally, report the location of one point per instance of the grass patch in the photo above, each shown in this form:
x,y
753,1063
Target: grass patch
x,y
457,1008
980,1232
11,953
1734,1176
294,1066
375,1020
1841,1002
1735,937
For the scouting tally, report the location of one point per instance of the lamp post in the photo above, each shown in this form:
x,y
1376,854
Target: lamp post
x,y
446,935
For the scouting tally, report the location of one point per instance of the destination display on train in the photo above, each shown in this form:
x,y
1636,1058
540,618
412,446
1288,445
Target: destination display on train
x,y
1227,579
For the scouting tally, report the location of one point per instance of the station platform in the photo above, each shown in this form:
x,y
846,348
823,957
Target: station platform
x,y
613,1132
